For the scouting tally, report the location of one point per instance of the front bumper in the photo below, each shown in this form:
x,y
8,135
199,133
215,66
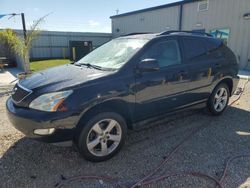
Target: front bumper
x,y
27,120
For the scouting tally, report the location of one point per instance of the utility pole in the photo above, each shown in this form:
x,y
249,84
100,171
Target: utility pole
x,y
23,23
24,26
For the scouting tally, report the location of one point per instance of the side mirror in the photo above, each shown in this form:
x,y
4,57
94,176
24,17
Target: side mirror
x,y
148,65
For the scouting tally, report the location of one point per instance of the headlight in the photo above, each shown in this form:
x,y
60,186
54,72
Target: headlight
x,y
50,102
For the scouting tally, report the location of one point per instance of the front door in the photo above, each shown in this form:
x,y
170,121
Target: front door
x,y
163,90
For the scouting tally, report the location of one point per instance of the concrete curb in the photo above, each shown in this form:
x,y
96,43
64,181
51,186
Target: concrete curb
x,y
244,75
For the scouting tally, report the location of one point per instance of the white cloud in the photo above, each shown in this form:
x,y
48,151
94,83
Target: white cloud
x,y
93,23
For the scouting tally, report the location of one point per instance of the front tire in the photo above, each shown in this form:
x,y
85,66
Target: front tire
x,y
218,101
102,136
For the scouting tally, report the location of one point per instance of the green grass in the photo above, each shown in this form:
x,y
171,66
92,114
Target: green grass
x,y
45,64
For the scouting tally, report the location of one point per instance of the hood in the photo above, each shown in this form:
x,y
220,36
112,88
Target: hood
x,y
62,77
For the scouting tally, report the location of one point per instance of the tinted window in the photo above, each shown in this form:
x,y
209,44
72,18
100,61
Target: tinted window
x,y
193,47
166,53
213,44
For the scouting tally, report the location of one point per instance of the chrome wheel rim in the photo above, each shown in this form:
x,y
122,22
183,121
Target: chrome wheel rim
x,y
220,100
104,137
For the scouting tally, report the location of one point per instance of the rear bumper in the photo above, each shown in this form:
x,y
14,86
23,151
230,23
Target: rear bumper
x,y
27,120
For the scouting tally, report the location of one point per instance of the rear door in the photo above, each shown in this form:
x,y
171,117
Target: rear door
x,y
203,65
163,90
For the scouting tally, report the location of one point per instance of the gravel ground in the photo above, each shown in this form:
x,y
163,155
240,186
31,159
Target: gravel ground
x,y
27,163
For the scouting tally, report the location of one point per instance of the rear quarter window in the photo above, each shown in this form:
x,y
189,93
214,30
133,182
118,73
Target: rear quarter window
x,y
193,47
213,44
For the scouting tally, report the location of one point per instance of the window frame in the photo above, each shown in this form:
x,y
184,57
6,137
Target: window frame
x,y
162,40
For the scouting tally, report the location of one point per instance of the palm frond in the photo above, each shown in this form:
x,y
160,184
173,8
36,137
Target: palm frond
x,y
15,43
19,45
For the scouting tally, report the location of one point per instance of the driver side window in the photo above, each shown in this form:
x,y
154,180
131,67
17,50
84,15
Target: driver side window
x,y
166,53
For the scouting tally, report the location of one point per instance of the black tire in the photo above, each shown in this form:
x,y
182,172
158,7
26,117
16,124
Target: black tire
x,y
212,100
87,130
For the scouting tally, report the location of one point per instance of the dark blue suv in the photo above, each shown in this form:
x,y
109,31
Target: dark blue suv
x,y
94,101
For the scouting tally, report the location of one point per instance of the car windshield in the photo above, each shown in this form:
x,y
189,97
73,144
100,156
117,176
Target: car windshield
x,y
114,54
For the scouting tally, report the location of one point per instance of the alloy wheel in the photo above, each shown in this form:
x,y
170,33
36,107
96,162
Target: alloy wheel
x,y
104,137
220,99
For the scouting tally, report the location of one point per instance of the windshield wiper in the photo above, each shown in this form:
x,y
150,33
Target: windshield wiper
x,y
91,66
87,65
96,67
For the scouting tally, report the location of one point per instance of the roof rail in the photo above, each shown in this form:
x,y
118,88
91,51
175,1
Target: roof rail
x,y
190,32
134,34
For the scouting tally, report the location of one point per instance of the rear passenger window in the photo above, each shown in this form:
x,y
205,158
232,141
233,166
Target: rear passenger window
x,y
213,44
166,53
193,47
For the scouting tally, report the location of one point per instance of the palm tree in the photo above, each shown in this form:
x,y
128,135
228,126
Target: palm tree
x,y
20,46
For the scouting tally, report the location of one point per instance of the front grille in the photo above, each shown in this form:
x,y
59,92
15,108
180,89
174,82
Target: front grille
x,y
19,93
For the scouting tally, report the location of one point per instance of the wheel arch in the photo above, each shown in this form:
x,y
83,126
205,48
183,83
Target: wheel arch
x,y
116,105
229,82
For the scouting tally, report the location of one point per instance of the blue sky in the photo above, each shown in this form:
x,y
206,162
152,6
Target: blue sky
x,y
74,15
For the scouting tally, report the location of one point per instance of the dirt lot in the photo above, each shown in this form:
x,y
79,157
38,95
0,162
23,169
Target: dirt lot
x,y
27,163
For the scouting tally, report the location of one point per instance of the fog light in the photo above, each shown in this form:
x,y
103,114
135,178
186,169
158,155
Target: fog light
x,y
44,131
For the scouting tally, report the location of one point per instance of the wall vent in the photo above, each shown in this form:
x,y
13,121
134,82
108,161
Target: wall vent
x,y
203,5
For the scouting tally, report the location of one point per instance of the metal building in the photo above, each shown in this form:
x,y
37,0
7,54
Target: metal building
x,y
226,19
54,44
61,45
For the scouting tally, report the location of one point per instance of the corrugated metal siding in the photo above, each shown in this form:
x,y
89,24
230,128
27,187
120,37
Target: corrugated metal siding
x,y
221,14
152,21
52,44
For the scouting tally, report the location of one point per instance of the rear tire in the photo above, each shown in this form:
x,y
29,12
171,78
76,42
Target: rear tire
x,y
218,100
102,137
